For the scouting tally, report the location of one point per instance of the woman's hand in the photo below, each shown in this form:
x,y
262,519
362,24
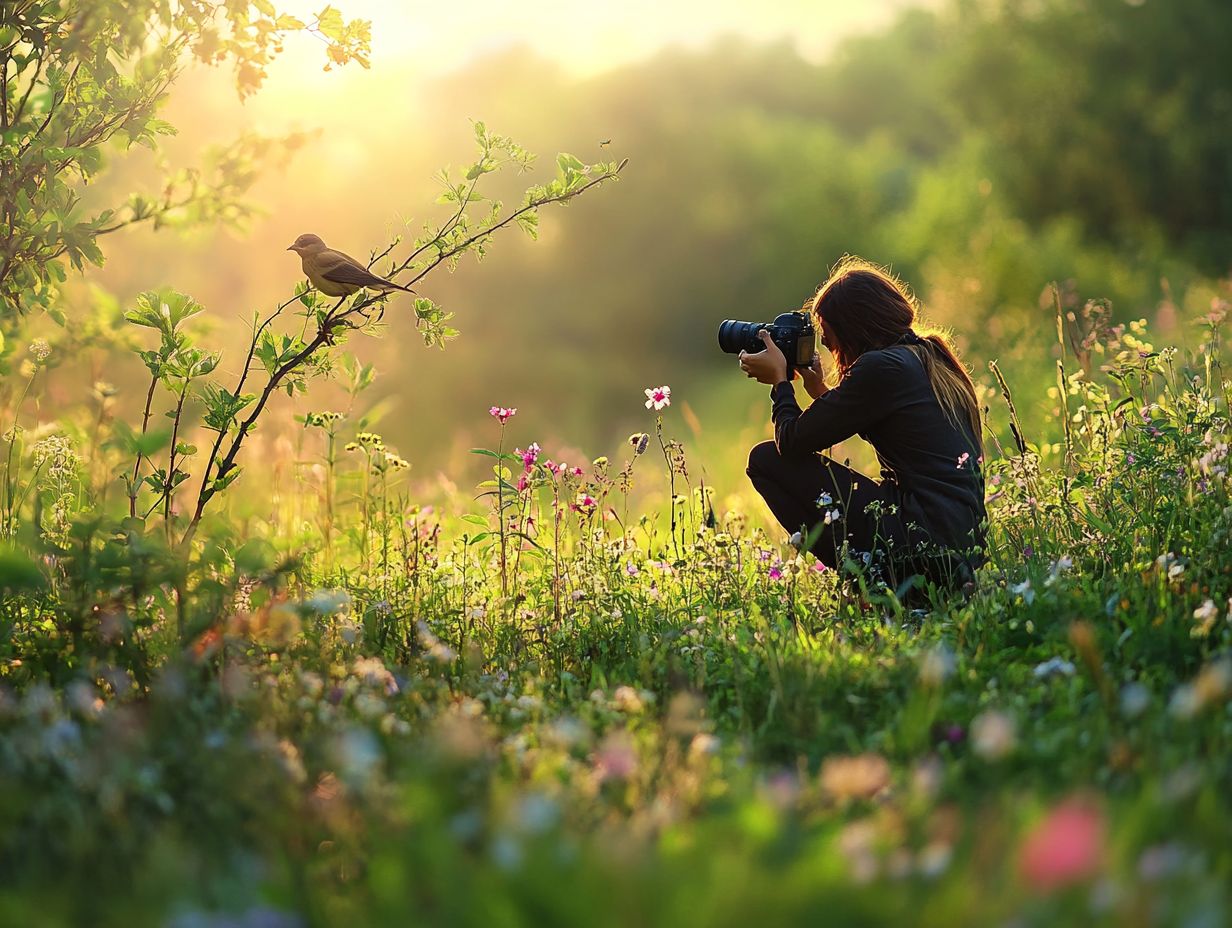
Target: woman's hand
x,y
768,366
814,378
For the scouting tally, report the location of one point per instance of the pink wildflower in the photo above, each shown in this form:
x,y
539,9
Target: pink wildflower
x,y
616,758
530,455
502,413
775,573
658,397
556,469
585,503
962,459
523,483
1066,847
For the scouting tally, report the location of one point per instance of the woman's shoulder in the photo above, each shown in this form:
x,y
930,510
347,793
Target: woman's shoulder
x,y
892,356
892,370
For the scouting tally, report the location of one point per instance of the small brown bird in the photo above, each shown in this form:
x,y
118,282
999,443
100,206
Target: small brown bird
x,y
335,273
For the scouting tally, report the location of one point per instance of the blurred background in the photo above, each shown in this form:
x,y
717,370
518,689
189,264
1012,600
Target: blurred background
x,y
981,149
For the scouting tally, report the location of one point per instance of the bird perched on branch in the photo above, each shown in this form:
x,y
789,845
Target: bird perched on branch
x,y
335,273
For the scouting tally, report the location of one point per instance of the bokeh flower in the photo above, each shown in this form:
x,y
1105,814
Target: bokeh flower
x,y
861,776
40,350
1066,847
1204,619
993,734
616,758
502,413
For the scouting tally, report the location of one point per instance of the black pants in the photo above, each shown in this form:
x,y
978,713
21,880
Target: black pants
x,y
842,512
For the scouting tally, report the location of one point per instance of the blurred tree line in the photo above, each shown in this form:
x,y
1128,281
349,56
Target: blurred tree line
x,y
981,148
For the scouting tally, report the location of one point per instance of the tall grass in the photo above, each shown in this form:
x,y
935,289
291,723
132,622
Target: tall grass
x,y
550,703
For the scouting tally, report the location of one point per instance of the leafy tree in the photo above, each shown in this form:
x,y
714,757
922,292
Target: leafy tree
x,y
1113,112
78,75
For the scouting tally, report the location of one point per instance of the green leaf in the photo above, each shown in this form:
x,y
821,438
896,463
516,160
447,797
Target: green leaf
x,y
569,164
526,537
221,483
330,24
135,443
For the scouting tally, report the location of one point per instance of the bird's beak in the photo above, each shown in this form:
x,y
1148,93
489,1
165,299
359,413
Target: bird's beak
x,y
290,248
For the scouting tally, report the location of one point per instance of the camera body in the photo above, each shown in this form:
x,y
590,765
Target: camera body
x,y
792,332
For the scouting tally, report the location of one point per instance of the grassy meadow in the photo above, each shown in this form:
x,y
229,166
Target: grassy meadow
x,y
600,691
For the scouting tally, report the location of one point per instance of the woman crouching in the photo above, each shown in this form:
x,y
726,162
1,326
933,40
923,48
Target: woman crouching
x,y
910,398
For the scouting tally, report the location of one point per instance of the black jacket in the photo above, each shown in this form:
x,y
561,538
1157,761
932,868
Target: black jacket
x,y
932,465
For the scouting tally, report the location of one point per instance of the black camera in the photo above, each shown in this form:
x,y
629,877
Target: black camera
x,y
792,332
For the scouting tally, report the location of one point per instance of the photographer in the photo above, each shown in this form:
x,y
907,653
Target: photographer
x,y
911,399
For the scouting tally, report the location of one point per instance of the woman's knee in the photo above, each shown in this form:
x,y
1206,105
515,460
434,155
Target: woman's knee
x,y
763,459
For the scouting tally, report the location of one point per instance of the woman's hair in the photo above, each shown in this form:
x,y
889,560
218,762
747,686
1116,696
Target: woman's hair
x,y
865,308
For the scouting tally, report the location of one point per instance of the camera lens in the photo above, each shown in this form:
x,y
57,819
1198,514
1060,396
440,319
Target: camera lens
x,y
735,336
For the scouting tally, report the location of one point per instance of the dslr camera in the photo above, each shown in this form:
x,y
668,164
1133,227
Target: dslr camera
x,y
792,332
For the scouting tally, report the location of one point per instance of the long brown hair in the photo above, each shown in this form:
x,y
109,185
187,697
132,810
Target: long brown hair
x,y
865,308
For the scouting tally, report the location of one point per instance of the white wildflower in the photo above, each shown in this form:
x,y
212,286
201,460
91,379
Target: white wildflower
x,y
1054,665
1204,619
993,734
1024,590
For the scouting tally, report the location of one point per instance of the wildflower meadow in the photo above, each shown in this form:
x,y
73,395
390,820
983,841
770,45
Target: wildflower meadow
x,y
260,665
554,699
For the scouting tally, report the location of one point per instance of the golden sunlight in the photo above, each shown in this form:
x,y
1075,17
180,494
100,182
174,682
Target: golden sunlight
x,y
588,38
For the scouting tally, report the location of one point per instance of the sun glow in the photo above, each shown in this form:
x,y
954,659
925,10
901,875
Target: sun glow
x,y
587,38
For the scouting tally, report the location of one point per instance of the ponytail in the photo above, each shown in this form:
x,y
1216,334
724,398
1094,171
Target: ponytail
x,y
952,385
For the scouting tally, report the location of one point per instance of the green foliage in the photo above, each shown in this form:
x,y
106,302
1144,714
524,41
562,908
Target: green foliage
x,y
276,360
758,168
1128,99
550,706
78,76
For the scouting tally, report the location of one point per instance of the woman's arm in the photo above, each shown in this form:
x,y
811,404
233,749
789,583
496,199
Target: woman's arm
x,y
860,400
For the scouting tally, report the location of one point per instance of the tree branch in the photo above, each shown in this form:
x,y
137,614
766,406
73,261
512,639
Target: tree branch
x,y
512,217
239,388
324,336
